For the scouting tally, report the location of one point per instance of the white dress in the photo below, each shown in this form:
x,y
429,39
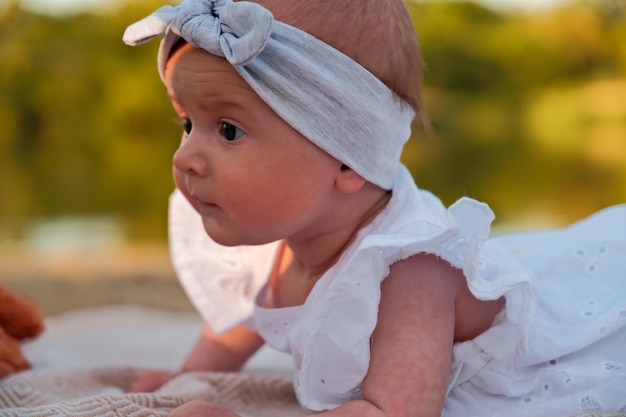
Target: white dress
x,y
557,348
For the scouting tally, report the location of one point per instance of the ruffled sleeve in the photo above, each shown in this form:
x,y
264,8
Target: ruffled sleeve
x,y
220,281
331,342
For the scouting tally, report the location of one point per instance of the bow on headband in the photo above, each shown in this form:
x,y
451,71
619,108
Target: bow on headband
x,y
323,94
237,31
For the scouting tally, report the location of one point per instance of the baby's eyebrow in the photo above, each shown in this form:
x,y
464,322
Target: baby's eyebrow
x,y
214,103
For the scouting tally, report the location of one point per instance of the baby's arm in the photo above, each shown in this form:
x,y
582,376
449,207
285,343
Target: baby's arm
x,y
411,346
412,343
225,352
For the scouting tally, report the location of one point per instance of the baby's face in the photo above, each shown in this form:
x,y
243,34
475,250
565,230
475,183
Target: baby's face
x,y
252,178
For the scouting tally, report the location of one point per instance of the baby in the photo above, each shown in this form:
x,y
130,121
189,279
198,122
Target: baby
x,y
295,224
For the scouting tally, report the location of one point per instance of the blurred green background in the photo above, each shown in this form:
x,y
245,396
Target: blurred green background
x,y
528,111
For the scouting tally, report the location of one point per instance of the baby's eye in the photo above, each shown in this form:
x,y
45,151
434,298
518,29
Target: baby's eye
x,y
231,132
187,125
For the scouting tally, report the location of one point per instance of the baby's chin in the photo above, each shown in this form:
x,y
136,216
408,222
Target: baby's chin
x,y
228,237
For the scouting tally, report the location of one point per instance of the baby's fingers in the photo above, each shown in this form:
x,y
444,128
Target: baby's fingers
x,y
150,380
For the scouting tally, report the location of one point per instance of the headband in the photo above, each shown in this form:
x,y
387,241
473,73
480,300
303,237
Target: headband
x,y
323,94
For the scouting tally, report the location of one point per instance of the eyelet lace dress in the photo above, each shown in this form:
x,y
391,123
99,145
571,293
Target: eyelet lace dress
x,y
558,347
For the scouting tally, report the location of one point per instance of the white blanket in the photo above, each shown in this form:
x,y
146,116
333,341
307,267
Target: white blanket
x,y
101,392
86,360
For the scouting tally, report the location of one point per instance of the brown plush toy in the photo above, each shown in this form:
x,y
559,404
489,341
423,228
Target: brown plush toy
x,y
19,319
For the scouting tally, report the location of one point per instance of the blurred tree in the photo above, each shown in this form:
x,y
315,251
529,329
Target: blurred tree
x,y
87,121
486,74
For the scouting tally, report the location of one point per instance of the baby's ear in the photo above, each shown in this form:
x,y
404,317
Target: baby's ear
x,y
348,181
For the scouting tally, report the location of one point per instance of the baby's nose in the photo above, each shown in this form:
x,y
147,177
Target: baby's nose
x,y
189,158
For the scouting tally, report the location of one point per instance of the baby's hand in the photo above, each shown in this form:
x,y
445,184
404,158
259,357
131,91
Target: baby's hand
x,y
151,379
200,408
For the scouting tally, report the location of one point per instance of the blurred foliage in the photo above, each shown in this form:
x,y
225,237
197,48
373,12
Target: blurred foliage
x,y
528,109
85,124
528,112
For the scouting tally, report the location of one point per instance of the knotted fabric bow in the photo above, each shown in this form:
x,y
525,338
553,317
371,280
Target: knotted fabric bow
x,y
323,94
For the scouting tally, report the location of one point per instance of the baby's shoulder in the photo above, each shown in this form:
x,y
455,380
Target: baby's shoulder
x,y
427,266
430,277
427,275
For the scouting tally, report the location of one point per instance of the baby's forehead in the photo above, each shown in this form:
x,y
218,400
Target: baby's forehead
x,y
189,63
195,59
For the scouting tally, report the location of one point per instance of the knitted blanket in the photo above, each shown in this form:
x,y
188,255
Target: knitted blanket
x,y
102,392
87,360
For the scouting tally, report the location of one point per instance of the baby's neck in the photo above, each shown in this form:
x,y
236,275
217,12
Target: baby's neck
x,y
315,254
302,262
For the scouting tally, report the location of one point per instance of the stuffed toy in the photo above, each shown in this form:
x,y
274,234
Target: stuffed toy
x,y
19,319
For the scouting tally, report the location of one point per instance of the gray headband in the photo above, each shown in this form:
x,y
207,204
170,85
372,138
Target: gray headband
x,y
325,95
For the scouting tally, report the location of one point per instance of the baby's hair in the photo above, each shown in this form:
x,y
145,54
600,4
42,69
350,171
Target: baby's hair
x,y
378,34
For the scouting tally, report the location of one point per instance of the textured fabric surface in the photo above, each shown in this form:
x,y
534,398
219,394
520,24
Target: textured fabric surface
x,y
101,392
87,358
77,375
320,92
